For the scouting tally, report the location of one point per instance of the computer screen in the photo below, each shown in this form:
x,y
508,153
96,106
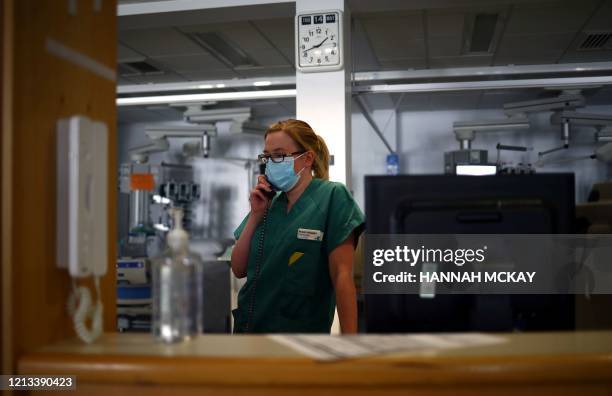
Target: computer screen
x,y
451,204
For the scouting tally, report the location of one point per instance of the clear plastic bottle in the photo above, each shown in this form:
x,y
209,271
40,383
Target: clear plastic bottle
x,y
177,288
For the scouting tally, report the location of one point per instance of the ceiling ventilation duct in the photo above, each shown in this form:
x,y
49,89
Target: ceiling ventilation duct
x,y
595,41
137,68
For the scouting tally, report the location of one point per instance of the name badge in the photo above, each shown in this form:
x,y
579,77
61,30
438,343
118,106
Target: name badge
x,y
311,235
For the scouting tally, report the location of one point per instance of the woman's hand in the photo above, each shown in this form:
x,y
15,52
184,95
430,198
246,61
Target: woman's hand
x,y
259,202
258,199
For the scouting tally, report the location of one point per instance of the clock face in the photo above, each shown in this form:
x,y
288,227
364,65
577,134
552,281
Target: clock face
x,y
318,41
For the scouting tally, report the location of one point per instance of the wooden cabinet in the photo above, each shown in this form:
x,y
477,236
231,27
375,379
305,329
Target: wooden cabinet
x,y
58,60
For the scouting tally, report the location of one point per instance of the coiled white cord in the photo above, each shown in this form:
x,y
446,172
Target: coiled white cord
x,y
86,310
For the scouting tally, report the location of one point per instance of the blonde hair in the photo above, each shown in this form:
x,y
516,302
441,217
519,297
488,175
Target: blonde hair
x,y
307,139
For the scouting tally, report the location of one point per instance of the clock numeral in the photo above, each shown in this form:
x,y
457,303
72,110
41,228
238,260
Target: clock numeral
x,y
305,54
318,30
332,37
333,52
310,33
310,60
306,39
326,58
303,46
319,60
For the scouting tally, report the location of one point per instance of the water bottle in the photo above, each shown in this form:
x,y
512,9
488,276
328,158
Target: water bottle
x,y
177,288
392,164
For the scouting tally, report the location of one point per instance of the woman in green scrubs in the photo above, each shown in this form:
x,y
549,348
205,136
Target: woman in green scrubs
x,y
296,246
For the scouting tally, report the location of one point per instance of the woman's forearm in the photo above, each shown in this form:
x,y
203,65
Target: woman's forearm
x,y
346,301
240,254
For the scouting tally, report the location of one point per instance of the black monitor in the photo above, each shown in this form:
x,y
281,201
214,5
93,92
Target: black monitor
x,y
449,204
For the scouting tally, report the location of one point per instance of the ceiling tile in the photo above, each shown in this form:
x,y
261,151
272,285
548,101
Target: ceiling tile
x,y
125,54
363,55
245,36
400,49
288,53
555,17
191,62
445,25
396,37
407,26
279,31
532,49
159,42
268,57
602,20
444,46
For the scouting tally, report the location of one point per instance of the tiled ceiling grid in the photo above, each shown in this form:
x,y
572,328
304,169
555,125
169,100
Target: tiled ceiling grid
x,y
533,32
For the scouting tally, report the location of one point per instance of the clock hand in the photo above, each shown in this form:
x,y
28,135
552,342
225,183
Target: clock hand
x,y
321,43
317,46
329,44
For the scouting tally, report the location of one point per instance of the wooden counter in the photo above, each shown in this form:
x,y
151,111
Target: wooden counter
x,y
538,363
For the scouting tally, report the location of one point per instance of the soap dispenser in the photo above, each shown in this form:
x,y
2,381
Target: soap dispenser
x,y
177,287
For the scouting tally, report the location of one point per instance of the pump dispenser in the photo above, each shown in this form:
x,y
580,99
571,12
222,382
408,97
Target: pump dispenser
x,y
178,238
177,287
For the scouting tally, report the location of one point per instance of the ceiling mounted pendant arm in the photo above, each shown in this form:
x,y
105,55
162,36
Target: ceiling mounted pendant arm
x,y
140,154
565,101
159,139
465,131
567,118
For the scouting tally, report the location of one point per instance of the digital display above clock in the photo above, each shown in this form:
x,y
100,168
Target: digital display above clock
x,y
318,19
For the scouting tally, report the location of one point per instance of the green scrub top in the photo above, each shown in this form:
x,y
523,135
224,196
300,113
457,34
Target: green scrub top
x,y
294,292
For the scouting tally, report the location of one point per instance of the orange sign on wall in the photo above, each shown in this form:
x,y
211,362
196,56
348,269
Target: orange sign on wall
x,y
142,181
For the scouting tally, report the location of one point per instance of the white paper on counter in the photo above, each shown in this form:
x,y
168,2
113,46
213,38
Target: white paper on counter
x,y
326,347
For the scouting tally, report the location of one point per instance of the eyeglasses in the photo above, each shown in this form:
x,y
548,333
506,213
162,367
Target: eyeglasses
x,y
276,158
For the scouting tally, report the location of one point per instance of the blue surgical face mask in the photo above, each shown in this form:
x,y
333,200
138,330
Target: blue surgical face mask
x,y
282,175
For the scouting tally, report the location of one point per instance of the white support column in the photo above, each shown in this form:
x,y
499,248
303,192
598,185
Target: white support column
x,y
324,98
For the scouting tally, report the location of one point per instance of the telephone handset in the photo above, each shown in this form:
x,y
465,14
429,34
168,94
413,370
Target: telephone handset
x,y
82,248
268,194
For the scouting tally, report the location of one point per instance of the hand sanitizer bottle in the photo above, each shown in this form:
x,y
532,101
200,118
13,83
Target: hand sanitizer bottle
x,y
177,287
